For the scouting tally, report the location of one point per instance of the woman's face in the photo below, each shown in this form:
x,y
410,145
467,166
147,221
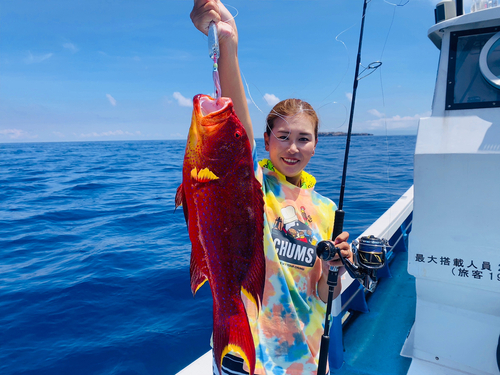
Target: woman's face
x,y
291,145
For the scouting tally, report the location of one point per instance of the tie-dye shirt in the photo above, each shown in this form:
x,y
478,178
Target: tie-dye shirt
x,y
287,331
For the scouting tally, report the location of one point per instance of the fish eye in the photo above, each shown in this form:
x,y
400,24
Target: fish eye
x,y
237,134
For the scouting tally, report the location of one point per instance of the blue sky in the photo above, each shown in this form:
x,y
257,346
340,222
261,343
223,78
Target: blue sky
x,y
119,70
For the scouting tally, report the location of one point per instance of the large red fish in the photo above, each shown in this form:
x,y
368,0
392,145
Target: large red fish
x,y
224,210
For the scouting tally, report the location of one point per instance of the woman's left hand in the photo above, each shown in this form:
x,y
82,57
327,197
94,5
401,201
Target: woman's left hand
x,y
345,251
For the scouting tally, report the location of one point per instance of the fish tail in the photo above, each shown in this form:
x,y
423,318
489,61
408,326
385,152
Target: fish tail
x,y
232,334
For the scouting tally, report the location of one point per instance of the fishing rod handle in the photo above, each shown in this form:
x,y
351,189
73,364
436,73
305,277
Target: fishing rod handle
x,y
323,358
338,224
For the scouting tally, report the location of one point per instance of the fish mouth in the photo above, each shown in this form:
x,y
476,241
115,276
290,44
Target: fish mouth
x,y
210,111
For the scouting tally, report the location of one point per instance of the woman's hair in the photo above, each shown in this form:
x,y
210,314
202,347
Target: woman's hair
x,y
291,107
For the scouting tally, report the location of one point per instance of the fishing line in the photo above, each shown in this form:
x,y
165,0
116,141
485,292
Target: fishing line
x,y
345,72
383,100
321,106
347,55
345,116
248,88
392,21
341,80
382,90
386,134
284,118
250,94
261,111
348,63
237,12
397,5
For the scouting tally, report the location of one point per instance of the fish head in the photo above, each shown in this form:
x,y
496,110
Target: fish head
x,y
216,132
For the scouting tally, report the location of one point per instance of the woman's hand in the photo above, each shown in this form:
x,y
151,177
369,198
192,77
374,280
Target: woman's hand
x,y
345,251
206,11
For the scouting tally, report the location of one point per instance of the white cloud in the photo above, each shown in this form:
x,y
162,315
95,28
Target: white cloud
x,y
111,100
14,133
71,47
271,99
348,95
33,59
58,134
376,113
110,134
181,100
397,122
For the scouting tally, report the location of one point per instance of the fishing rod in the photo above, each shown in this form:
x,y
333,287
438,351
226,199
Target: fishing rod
x,y
371,253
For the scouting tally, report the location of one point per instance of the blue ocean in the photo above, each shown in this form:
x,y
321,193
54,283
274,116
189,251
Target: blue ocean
x,y
94,260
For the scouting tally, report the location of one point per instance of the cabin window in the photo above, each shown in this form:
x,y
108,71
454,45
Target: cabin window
x,y
474,69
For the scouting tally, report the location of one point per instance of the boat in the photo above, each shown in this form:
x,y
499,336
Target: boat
x,y
439,313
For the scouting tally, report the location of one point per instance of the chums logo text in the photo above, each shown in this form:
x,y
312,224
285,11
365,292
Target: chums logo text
x,y
295,253
293,240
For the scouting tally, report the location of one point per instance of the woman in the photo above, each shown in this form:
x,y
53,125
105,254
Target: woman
x,y
287,330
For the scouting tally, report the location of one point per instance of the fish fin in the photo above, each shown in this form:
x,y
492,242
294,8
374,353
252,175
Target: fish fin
x,y
198,268
180,200
250,297
179,196
203,175
253,284
194,174
232,333
198,283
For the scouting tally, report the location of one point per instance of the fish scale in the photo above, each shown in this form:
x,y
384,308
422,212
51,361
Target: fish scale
x,y
224,209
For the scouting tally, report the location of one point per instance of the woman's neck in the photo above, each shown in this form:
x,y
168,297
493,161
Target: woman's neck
x,y
295,180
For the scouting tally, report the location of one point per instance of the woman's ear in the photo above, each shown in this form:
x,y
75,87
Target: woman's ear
x,y
315,144
266,141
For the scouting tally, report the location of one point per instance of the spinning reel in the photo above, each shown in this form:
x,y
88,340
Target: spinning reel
x,y
369,256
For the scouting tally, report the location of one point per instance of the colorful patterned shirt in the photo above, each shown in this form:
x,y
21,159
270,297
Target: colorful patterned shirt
x,y
287,331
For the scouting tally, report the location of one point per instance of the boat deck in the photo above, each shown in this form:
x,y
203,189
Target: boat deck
x,y
373,340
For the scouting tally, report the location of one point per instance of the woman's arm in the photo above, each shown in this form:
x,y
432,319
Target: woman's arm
x,y
205,11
